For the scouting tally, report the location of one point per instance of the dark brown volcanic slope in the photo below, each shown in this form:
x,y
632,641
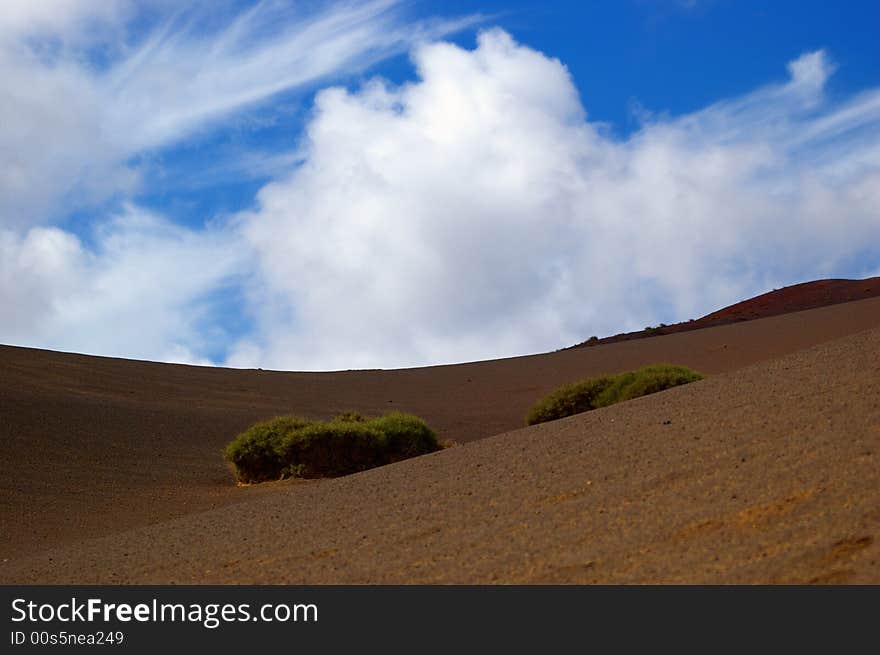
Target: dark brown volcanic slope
x,y
796,298
94,446
768,474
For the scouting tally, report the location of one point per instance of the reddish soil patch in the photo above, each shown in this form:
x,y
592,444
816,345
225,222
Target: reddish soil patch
x,y
796,298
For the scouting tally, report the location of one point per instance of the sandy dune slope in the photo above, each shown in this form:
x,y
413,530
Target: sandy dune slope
x,y
97,446
765,474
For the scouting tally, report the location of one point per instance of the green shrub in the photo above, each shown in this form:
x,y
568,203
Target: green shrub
x,y
256,452
567,400
337,447
290,446
645,381
607,390
405,435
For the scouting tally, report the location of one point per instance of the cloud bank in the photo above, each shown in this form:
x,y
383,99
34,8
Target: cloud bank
x,y
476,212
143,290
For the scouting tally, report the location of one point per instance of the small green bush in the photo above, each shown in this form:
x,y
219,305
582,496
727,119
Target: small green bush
x,y
257,451
645,381
607,390
405,435
567,400
291,446
337,447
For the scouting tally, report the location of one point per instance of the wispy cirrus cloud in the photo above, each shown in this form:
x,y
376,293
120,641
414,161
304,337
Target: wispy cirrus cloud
x,y
84,92
183,78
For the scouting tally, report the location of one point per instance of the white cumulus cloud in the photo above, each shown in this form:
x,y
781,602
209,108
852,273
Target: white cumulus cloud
x,y
478,213
140,290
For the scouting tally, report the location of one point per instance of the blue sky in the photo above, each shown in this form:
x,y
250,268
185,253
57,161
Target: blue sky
x,y
377,184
